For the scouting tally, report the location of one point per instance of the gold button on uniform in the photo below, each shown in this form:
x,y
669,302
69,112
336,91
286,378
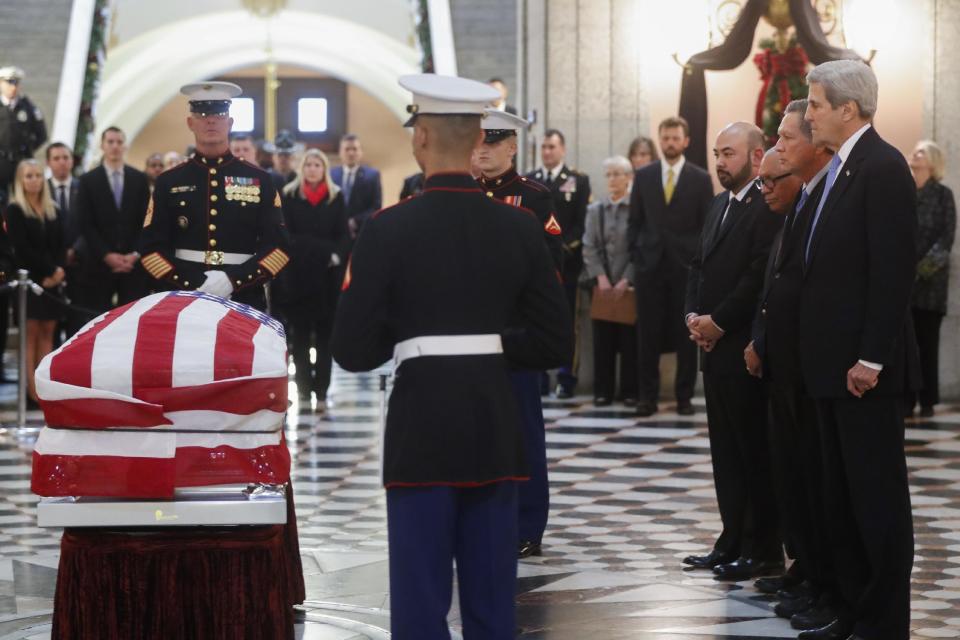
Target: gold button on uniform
x,y
213,172
213,242
213,198
214,183
213,227
490,193
213,212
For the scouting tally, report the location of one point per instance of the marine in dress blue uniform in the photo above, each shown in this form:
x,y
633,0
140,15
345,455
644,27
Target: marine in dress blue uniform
x,y
424,286
22,128
214,222
499,179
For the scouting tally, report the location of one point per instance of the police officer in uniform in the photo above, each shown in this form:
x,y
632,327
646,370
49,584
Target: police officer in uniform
x,y
499,180
214,222
424,286
22,129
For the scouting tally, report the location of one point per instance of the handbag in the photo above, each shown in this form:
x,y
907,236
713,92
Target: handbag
x,y
611,305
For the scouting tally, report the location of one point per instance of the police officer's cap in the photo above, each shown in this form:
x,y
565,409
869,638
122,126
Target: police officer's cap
x,y
284,143
446,95
11,74
210,98
498,125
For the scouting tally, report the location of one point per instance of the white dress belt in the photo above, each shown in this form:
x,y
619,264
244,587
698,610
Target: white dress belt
x,y
213,257
469,345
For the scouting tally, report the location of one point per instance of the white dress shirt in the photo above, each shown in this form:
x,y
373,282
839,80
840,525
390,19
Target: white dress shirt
x,y
666,166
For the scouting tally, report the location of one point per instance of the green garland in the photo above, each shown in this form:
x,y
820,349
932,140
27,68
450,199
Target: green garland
x,y
783,77
423,36
91,81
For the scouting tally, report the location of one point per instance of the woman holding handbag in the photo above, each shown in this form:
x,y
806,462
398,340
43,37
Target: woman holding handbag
x,y
609,273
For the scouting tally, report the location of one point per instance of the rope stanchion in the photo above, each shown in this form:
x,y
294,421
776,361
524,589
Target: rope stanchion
x,y
23,283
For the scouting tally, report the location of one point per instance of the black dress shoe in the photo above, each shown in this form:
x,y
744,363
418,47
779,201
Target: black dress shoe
x,y
814,618
602,402
926,412
685,408
629,401
802,590
708,561
791,607
646,409
746,568
529,548
774,584
836,630
564,393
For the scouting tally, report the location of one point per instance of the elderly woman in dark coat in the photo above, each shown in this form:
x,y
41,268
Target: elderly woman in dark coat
x,y
937,218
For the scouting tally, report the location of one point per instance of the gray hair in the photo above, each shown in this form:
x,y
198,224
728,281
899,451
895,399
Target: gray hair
x,y
800,107
845,81
618,162
935,157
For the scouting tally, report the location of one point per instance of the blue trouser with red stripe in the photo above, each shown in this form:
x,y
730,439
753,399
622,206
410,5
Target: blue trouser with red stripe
x,y
428,528
534,495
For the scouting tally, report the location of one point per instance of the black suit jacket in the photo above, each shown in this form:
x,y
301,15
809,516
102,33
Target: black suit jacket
x,y
659,231
105,228
726,275
857,282
412,185
775,326
366,195
69,219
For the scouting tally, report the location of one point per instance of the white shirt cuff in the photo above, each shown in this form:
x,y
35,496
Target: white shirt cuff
x,y
872,365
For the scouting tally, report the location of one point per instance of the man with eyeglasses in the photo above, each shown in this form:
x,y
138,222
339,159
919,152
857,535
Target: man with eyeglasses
x,y
807,593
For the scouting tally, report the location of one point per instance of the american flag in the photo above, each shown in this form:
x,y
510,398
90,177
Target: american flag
x,y
177,389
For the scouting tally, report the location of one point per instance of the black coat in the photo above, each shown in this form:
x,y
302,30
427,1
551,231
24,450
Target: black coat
x,y
317,232
726,275
857,283
412,185
425,268
531,196
667,232
106,229
37,244
776,325
215,204
571,195
70,219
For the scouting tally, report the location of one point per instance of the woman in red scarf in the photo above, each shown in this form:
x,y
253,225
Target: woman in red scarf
x,y
309,286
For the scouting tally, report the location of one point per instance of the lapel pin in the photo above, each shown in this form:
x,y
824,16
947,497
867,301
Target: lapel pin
x,y
848,173
749,199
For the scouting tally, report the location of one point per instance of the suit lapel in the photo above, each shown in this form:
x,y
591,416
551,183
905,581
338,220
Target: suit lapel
x,y
733,216
710,232
105,180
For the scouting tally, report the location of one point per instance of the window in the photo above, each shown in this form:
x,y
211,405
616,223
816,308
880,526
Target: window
x,y
242,112
312,115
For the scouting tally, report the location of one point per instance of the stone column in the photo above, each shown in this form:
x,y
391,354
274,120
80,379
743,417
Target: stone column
x,y
942,124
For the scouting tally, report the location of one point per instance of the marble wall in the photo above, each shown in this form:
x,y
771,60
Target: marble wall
x,y
581,68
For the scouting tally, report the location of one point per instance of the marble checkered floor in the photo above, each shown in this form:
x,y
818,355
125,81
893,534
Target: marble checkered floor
x,y
630,497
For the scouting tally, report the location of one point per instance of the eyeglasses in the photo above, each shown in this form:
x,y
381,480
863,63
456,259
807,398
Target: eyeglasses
x,y
770,183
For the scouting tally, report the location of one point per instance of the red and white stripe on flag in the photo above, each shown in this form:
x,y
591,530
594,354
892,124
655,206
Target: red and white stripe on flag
x,y
176,389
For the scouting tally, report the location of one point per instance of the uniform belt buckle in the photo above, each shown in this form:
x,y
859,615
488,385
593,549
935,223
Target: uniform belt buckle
x,y
213,258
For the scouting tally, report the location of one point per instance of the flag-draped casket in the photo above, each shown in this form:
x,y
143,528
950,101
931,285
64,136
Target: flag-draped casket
x,y
177,389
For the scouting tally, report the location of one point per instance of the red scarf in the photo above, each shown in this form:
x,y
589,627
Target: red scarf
x,y
316,196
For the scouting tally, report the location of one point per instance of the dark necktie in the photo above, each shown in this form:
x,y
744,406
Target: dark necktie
x,y
347,186
62,199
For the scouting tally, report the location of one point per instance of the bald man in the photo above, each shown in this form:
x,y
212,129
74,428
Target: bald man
x,y
724,284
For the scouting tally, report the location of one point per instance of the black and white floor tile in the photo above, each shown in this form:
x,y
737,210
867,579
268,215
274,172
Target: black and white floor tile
x,y
630,497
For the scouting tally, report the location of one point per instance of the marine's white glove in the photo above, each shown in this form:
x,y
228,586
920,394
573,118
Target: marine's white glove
x,y
217,283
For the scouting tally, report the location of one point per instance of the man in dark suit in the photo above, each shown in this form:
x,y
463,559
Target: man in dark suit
x,y
857,351
668,206
502,104
64,189
571,195
774,356
725,279
111,204
360,184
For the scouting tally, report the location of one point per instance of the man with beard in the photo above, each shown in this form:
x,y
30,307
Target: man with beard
x,y
725,279
668,205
